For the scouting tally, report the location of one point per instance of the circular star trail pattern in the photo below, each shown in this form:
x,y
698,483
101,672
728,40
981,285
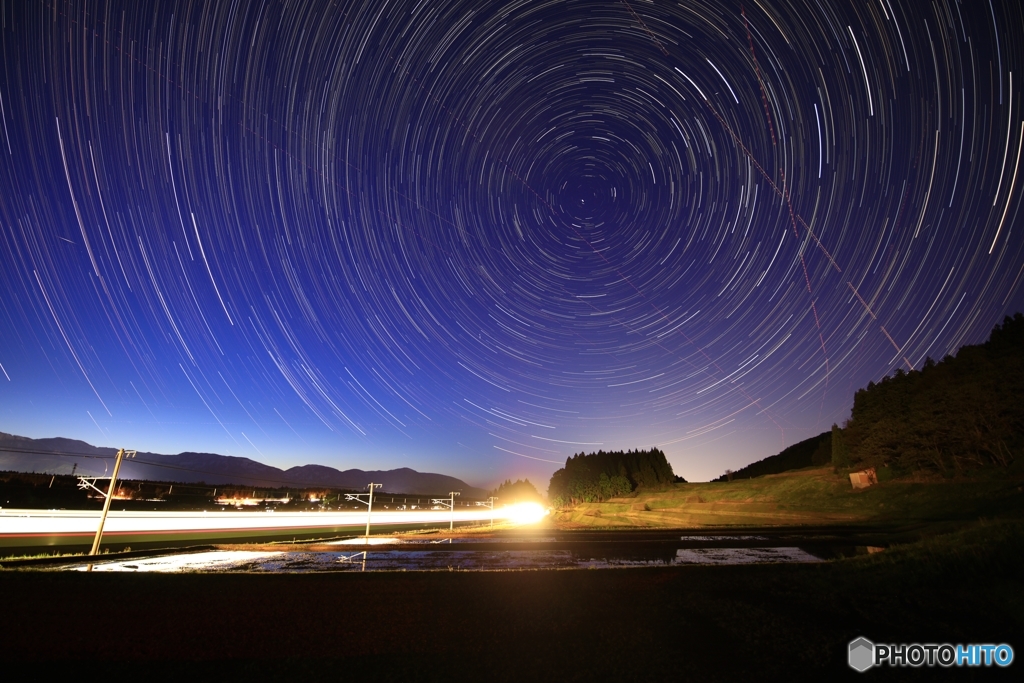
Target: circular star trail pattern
x,y
479,237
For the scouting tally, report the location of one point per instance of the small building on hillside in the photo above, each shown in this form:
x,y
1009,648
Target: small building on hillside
x,y
864,478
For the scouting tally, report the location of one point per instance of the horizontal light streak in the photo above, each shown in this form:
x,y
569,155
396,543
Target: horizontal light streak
x,y
15,524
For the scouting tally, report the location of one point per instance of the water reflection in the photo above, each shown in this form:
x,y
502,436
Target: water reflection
x,y
487,555
507,560
742,555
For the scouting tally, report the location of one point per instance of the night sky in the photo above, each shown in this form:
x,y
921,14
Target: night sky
x,y
477,237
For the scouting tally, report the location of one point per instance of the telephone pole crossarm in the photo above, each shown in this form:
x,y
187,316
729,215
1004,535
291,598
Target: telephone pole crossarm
x,y
489,504
87,483
448,503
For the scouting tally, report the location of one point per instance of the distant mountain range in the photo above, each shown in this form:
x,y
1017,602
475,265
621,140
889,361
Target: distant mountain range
x,y
62,456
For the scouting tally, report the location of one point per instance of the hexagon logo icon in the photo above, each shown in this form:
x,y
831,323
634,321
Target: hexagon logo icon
x,y
861,654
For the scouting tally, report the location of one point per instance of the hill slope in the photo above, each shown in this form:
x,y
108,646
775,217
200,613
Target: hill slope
x,y
816,450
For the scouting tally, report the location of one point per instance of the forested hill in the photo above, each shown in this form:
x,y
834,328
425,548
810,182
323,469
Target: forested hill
x,y
816,450
599,476
963,413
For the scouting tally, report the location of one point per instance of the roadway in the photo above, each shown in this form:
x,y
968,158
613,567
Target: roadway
x,y
64,530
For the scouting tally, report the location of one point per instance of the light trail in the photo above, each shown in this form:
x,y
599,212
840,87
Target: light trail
x,y
29,528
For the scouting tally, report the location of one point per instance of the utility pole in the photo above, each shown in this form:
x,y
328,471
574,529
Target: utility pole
x,y
489,503
90,482
450,503
358,497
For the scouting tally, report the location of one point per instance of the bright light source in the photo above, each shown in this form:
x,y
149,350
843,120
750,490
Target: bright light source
x,y
525,513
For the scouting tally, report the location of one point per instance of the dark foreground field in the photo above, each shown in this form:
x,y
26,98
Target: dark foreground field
x,y
711,623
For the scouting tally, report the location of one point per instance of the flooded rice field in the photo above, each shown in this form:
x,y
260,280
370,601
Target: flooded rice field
x,y
504,552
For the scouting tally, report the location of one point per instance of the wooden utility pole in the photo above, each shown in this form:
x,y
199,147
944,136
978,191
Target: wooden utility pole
x,y
108,496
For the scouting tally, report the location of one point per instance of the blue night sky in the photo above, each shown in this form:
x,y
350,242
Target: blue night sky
x,y
477,237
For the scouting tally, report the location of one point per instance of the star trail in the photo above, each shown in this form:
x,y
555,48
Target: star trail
x,y
478,237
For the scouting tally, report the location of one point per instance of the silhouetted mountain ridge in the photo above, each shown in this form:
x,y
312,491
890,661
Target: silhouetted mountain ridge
x,y
58,455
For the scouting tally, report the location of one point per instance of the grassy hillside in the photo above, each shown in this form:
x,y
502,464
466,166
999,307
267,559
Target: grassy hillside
x,y
801,497
816,450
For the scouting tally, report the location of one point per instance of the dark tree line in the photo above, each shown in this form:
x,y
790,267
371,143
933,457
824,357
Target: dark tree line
x,y
963,413
602,475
